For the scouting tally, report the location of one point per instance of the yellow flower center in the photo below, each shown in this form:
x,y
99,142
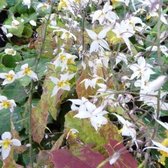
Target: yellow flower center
x,y
6,104
9,77
77,1
164,155
62,57
6,143
27,71
62,83
70,61
62,4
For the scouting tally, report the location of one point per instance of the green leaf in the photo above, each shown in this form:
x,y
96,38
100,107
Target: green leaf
x,y
88,134
5,116
3,4
11,2
5,124
17,31
15,91
27,32
10,61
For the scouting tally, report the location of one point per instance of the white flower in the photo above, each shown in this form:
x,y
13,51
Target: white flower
x,y
65,33
151,100
141,69
6,143
152,86
7,104
104,15
42,7
62,83
14,24
9,35
163,124
89,110
114,158
124,30
63,60
10,51
72,131
27,3
128,128
90,82
124,1
163,49
98,43
8,77
159,147
121,57
25,70
33,23
156,84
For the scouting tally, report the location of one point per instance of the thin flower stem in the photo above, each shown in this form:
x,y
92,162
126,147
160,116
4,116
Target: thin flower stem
x,y
147,154
29,108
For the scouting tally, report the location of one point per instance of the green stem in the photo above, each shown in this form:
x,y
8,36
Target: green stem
x,y
29,108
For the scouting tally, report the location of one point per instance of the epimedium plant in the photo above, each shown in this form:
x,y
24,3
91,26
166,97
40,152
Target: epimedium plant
x,y
84,83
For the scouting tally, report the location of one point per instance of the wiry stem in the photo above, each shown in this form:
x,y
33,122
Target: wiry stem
x,y
147,154
29,108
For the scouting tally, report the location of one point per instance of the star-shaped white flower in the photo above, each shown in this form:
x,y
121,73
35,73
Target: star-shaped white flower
x,y
6,143
128,128
8,77
104,15
86,109
63,60
98,43
25,70
7,104
62,83
141,69
124,30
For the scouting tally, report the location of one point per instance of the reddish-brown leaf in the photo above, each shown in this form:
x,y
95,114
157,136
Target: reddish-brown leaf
x,y
125,160
80,87
85,157
39,120
64,159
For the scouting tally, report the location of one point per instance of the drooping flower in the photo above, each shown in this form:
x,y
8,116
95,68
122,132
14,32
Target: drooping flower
x,y
7,104
25,70
128,128
86,109
6,143
62,83
162,148
98,43
8,77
